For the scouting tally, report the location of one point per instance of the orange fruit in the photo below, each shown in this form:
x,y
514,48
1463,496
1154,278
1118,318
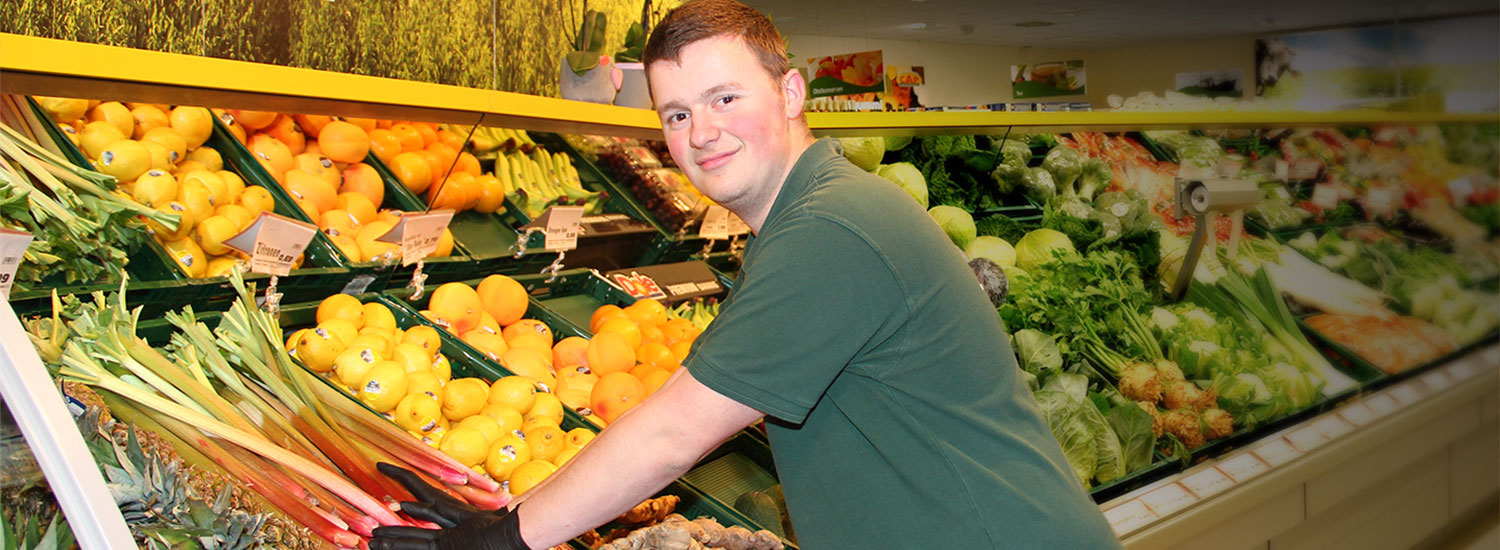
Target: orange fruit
x,y
410,138
413,171
614,394
371,249
576,378
657,355
253,120
116,114
237,131
147,118
344,142
456,193
467,163
609,352
651,332
446,154
680,350
459,304
491,194
317,165
384,144
428,131
312,124
363,179
436,166
365,124
625,327
195,124
488,343
600,314
287,130
528,326
646,310
571,351
677,330
271,153
640,370
451,139
358,206
529,362
303,185
654,380
503,298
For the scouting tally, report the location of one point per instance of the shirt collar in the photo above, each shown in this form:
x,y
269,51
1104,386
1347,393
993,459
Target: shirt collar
x,y
802,176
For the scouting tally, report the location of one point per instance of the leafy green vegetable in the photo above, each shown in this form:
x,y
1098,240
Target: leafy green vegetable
x,y
942,146
995,249
908,178
1089,444
1081,231
864,152
1132,425
896,143
1065,165
959,225
1038,352
1014,152
1042,246
1000,225
1038,184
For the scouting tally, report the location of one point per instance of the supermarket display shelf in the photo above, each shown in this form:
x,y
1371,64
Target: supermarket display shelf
x,y
1183,506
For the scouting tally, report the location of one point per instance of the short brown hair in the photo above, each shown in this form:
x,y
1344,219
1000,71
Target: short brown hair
x,y
703,19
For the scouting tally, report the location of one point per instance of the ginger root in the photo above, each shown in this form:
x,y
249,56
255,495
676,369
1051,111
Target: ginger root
x,y
650,511
677,533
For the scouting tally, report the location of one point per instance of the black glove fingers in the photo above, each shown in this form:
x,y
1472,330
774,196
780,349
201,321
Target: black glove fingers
x,y
403,538
418,488
427,511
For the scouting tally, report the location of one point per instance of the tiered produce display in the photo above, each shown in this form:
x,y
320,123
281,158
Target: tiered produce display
x,y
223,425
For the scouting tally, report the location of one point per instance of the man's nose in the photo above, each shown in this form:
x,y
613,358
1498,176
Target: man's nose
x,y
703,131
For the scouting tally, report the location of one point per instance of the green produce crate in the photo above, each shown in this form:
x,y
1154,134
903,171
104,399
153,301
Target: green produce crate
x,y
742,464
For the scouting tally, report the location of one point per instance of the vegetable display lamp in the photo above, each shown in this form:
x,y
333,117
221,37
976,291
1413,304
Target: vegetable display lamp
x,y
1204,199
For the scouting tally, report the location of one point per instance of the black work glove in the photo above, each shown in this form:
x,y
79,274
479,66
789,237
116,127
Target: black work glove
x,y
462,526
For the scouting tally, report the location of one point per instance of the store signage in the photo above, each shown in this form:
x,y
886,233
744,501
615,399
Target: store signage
x,y
667,282
1332,427
560,225
1243,467
1380,201
1325,196
1167,499
845,74
1305,169
1466,369
1207,482
1407,393
1050,79
1307,438
273,243
418,234
12,249
1276,452
906,76
715,223
1129,516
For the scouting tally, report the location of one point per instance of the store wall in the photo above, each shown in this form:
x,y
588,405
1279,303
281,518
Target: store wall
x,y
968,74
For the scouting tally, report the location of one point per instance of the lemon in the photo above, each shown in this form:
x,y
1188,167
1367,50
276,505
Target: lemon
x,y
517,393
189,166
413,357
466,445
114,113
425,382
578,437
188,256
347,246
384,386
341,327
257,199
547,408
291,339
424,336
213,231
509,419
234,185
342,306
577,377
167,137
97,136
239,214
196,197
154,188
484,424
64,109
220,266
209,157
353,363
505,454
218,191
318,348
146,118
184,222
576,399
567,454
529,475
463,397
418,413
376,343
377,315
125,159
546,440
159,155
193,123
443,369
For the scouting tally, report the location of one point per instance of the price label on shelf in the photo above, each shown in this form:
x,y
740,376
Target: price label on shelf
x,y
1243,467
1167,499
1129,516
1382,405
1358,414
12,249
418,234
1282,169
1409,392
1325,196
1438,380
715,223
1307,438
1380,201
1206,482
273,243
1276,452
562,227
1305,169
1461,189
358,284
1332,426
1466,369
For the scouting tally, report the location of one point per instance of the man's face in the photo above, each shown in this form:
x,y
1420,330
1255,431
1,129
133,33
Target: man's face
x,y
726,122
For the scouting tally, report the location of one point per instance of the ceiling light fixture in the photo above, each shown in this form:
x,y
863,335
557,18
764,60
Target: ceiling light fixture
x,y
1034,24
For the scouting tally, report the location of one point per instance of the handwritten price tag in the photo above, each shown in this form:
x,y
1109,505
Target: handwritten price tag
x,y
12,249
1380,201
715,223
418,234
1243,467
1408,393
1207,482
273,243
1129,516
1325,196
563,227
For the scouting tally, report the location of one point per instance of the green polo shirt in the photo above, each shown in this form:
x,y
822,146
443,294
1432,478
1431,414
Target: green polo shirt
x,y
896,415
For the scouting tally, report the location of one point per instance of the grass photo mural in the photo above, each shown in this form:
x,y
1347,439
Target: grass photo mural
x,y
509,45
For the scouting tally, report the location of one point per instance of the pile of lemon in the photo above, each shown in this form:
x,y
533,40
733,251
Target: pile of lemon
x,y
156,155
509,429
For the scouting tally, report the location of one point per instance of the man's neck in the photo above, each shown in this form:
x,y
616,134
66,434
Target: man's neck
x,y
800,143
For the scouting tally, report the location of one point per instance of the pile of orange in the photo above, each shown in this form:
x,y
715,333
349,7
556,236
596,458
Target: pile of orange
x,y
157,156
319,161
431,163
508,429
634,351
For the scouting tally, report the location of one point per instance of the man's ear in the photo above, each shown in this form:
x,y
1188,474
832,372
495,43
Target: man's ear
x,y
795,89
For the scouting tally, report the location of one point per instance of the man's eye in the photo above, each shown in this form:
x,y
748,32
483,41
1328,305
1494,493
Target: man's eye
x,y
726,99
677,117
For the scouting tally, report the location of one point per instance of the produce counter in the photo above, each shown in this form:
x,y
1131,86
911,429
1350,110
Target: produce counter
x,y
1318,440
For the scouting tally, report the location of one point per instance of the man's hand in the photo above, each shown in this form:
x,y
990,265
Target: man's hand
x,y
462,526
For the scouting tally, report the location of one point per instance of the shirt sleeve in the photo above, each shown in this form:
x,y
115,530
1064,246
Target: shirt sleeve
x,y
815,296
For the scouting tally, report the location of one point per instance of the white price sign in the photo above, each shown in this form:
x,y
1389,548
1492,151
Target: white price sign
x,y
1307,439
1277,452
1129,516
1207,482
1382,404
1282,169
1358,414
563,226
1306,169
1167,499
1408,393
418,234
1466,369
1332,427
1243,467
1380,201
715,223
12,249
273,243
1438,380
1325,196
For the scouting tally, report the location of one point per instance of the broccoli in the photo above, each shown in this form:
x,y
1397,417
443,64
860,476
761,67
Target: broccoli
x,y
1015,152
1046,141
1008,176
942,146
1000,225
1108,222
1096,177
1038,184
1082,231
1073,206
1065,165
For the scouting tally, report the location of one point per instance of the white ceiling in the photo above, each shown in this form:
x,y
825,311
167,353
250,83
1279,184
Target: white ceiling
x,y
1089,23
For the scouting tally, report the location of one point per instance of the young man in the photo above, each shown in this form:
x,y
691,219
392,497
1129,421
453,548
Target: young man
x,y
893,404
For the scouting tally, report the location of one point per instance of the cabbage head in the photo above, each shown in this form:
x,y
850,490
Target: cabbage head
x,y
897,143
1037,352
1037,248
994,248
908,177
959,225
864,152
